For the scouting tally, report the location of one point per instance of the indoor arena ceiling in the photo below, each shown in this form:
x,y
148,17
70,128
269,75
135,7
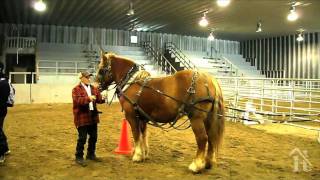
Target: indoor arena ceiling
x,y
237,21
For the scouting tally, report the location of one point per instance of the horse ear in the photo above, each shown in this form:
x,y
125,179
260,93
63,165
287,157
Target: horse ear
x,y
104,56
110,55
101,53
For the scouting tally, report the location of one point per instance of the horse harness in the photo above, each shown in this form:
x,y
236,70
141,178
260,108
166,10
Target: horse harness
x,y
184,109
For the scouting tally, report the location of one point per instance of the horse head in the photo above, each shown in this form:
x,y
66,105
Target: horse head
x,y
104,73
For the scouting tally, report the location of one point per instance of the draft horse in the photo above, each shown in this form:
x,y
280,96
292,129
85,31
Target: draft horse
x,y
164,100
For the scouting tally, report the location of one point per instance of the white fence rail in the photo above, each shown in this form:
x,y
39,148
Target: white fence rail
x,y
64,67
280,99
22,77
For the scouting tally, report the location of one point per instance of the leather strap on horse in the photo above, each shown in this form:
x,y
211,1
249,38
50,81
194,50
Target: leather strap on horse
x,y
184,109
139,110
125,79
135,104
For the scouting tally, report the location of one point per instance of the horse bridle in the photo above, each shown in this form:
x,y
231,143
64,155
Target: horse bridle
x,y
103,73
106,72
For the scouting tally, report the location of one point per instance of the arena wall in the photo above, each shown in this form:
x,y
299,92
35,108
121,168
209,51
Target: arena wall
x,y
46,93
284,56
114,37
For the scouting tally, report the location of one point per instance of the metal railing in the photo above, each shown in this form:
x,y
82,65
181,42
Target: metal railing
x,y
22,77
215,55
20,42
279,99
234,70
63,67
179,55
162,62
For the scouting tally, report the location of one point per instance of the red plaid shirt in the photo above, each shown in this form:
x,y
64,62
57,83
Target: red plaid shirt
x,y
82,115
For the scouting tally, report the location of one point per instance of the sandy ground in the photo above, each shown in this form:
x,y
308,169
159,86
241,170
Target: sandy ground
x,y
42,140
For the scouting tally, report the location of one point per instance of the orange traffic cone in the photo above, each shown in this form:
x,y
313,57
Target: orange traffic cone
x,y
124,146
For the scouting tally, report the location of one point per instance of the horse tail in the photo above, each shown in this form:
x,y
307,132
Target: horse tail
x,y
217,124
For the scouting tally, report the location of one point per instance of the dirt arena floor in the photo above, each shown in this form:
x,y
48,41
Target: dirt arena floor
x,y
42,139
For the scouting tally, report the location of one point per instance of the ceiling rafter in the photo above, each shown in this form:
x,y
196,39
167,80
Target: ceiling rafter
x,y
237,21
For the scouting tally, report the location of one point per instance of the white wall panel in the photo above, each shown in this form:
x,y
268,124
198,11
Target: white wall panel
x,y
89,35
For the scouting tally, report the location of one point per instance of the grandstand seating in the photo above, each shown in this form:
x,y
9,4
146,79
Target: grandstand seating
x,y
67,60
222,65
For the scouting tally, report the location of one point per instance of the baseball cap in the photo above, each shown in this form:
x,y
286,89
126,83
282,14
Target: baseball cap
x,y
84,74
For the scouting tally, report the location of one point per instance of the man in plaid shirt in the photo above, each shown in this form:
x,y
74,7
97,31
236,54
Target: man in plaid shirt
x,y
85,97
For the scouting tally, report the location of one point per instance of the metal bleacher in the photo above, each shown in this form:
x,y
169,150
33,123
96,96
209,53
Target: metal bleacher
x,y
222,64
61,62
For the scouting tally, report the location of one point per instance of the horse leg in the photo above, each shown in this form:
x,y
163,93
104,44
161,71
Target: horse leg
x,y
199,131
134,123
213,144
145,144
214,128
210,158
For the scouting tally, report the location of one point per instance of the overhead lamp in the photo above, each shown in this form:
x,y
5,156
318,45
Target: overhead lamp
x,y
259,27
40,6
139,29
211,36
203,21
131,10
223,3
300,37
292,16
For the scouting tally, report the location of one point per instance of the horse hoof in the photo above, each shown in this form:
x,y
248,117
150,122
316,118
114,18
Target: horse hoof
x,y
208,165
193,168
137,158
197,166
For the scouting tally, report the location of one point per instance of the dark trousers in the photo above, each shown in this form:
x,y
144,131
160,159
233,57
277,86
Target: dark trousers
x,y
83,131
3,138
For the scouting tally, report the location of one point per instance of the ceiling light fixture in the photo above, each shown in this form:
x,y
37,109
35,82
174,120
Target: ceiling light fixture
x,y
39,6
223,3
292,16
131,10
203,21
211,36
259,27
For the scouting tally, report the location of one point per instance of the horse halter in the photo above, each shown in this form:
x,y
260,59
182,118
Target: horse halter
x,y
103,73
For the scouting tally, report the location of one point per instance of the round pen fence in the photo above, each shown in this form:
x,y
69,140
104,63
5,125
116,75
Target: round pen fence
x,y
265,100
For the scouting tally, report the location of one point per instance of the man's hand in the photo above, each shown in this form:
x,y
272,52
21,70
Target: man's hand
x,y
104,94
92,98
95,84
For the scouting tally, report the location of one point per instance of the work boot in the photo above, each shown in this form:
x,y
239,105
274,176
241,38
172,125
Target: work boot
x,y
93,157
81,162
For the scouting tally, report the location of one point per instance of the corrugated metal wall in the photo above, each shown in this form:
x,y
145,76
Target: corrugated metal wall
x,y
87,35
284,56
